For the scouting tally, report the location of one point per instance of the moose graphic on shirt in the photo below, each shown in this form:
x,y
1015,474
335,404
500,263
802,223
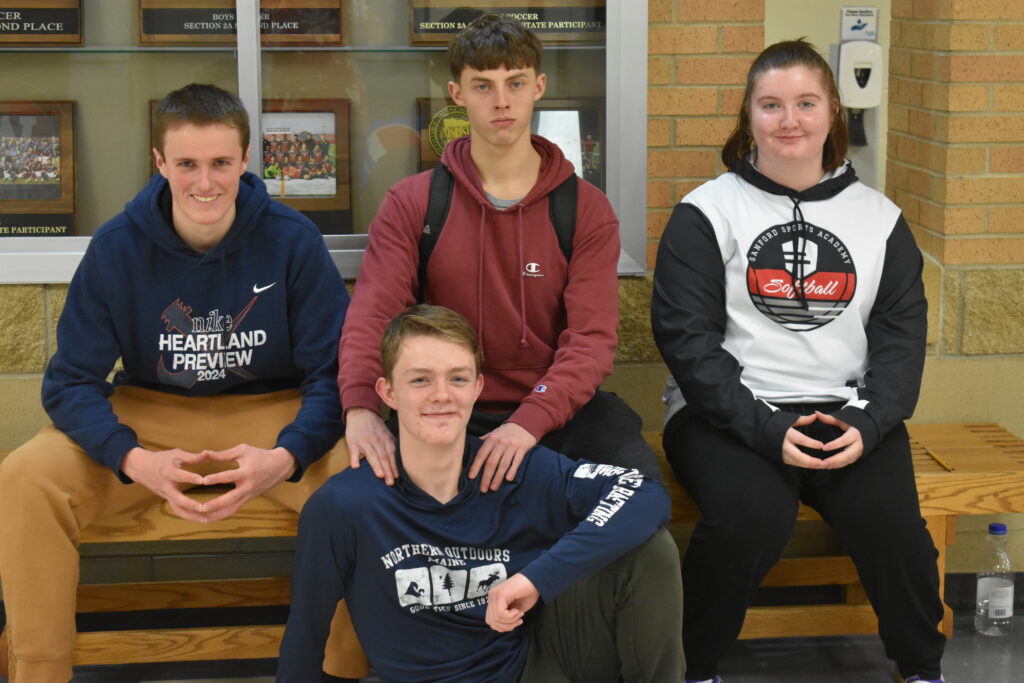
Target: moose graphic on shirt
x,y
443,588
486,583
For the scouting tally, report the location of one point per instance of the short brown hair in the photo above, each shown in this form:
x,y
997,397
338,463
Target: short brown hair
x,y
493,41
424,320
201,105
781,56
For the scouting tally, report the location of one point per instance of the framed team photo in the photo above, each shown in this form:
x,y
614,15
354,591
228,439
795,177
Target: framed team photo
x,y
37,168
576,126
305,159
40,23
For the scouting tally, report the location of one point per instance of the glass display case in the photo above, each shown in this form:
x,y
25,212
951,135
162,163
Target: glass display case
x,y
339,114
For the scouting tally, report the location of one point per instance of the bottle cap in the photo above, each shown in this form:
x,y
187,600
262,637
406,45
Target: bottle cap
x,y
997,528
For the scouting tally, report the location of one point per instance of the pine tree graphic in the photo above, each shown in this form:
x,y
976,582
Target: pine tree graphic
x,y
448,584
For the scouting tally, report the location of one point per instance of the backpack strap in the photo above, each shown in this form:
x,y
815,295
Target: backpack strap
x,y
562,211
562,203
442,184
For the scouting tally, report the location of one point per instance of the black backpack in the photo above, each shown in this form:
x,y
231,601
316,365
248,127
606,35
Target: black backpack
x,y
561,209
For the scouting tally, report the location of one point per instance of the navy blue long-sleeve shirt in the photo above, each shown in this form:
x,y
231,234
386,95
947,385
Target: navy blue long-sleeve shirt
x,y
415,572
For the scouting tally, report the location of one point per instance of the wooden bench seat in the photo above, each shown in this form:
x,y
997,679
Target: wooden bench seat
x,y
961,469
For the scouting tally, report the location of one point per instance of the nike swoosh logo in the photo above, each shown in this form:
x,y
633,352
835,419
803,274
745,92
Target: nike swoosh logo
x,y
257,290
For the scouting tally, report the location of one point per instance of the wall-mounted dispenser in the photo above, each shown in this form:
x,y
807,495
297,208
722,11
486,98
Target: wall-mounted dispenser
x,y
860,83
860,24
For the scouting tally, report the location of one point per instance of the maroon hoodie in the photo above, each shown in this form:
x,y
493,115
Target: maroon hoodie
x,y
546,327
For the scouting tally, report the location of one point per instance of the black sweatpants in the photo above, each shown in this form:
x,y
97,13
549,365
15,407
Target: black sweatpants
x,y
605,430
748,507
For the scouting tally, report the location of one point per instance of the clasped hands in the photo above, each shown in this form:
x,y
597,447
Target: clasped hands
x,y
848,447
165,473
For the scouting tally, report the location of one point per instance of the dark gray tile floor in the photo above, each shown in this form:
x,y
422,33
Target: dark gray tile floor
x,y
969,658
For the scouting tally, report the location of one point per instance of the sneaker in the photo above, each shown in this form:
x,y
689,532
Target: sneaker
x,y
716,679
918,679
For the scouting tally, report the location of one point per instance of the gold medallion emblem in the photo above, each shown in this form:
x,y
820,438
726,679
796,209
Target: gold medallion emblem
x,y
446,125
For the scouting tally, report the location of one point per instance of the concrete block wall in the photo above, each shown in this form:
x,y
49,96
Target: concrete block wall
x,y
956,167
956,162
699,52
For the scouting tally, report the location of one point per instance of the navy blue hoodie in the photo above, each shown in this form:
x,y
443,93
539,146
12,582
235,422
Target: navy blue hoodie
x,y
260,312
415,572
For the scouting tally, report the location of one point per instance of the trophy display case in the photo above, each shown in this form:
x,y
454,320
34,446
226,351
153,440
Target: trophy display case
x,y
354,85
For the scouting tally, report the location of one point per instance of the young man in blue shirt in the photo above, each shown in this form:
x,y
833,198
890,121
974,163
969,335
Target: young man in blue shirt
x,y
561,574
224,308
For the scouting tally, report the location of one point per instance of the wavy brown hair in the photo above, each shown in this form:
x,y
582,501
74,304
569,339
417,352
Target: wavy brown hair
x,y
781,56
494,41
425,320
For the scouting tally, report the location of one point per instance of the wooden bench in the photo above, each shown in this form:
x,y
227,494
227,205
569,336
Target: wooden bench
x,y
961,469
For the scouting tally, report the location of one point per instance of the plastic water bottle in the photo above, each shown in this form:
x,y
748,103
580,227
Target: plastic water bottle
x,y
994,613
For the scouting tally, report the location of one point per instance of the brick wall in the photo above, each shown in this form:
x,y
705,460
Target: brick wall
x,y
956,161
699,52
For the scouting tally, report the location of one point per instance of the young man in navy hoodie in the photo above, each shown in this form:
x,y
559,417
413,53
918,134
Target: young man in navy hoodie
x,y
224,308
562,574
547,323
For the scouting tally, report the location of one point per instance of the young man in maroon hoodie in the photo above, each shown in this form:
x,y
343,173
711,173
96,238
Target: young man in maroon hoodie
x,y
547,322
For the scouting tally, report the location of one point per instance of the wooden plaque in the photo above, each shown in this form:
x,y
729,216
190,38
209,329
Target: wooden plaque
x,y
556,22
40,23
37,168
306,159
212,22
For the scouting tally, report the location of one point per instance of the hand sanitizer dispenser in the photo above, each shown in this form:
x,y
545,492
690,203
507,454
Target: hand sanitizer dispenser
x,y
860,74
860,83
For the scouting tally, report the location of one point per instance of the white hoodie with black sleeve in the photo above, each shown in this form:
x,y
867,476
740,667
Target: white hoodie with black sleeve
x,y
765,296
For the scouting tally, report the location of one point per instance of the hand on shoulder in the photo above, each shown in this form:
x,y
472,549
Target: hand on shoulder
x,y
501,454
368,437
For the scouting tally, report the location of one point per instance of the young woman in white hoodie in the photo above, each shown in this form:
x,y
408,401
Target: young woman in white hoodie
x,y
789,308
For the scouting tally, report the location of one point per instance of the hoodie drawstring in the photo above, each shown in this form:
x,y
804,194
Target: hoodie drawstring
x,y
480,279
522,281
800,253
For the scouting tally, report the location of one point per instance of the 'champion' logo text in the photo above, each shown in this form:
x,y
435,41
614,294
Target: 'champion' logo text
x,y
532,270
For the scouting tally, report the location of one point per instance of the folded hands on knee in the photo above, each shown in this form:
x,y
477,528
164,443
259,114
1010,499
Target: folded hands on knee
x,y
845,450
166,474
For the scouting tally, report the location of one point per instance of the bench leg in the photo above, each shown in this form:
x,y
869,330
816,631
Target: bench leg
x,y
943,531
3,653
854,594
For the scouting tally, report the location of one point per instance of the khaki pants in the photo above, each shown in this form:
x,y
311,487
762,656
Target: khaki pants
x,y
50,490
